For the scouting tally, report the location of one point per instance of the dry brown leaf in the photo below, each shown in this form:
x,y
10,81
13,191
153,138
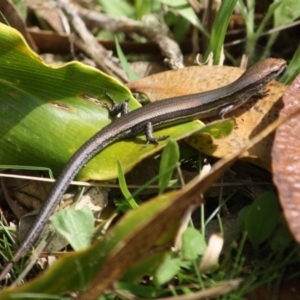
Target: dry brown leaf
x,y
251,118
286,159
185,81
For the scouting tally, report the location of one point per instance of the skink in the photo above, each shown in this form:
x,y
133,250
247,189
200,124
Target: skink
x,y
153,115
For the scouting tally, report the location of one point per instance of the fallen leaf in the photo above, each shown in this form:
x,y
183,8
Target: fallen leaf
x,y
251,118
184,81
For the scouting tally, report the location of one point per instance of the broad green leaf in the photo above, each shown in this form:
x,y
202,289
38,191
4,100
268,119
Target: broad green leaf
x,y
46,116
193,244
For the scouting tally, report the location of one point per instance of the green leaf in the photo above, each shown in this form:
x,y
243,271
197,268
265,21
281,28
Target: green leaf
x,y
75,225
193,244
169,161
44,114
168,269
262,218
287,12
281,238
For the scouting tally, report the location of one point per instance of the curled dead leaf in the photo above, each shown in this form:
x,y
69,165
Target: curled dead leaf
x,y
286,159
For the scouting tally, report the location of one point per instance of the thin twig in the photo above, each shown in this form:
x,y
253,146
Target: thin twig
x,y
87,43
111,185
169,48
